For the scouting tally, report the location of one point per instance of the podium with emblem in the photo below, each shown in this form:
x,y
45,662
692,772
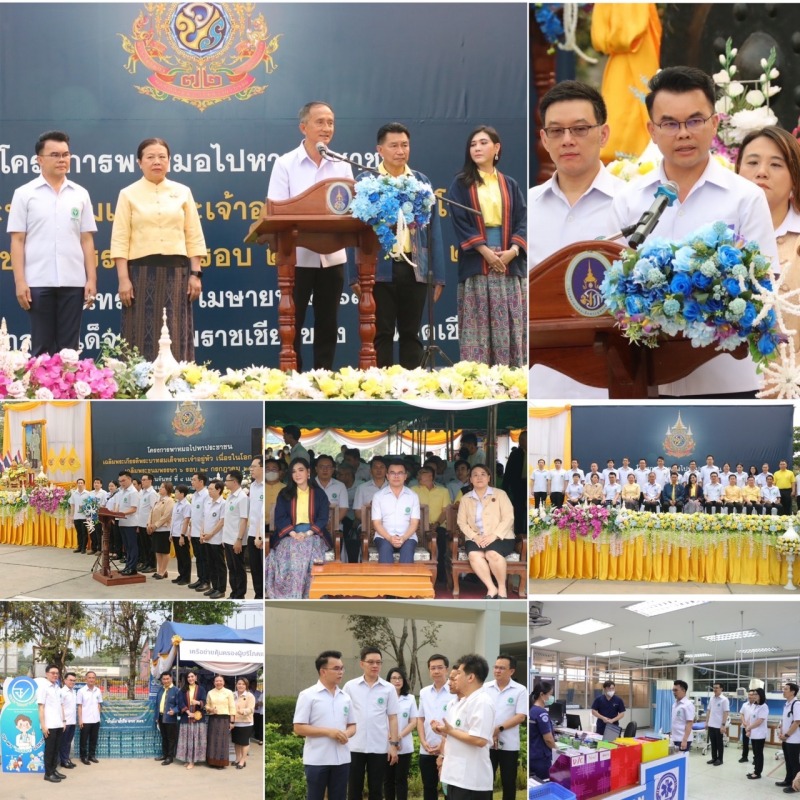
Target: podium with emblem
x,y
570,330
319,219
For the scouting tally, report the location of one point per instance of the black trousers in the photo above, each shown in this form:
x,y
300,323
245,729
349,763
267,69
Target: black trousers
x,y
332,778
255,558
791,755
237,576
460,793
395,781
66,744
216,566
128,534
55,318
786,502
507,760
80,529
430,777
147,557
169,738
746,744
556,499
200,550
374,765
326,287
399,304
715,740
88,744
184,558
758,755
539,499
52,745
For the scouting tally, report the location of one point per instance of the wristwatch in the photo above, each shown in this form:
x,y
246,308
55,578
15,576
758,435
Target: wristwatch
x,y
501,729
197,274
394,744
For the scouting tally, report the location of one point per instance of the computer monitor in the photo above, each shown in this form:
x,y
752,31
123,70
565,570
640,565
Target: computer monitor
x,y
556,712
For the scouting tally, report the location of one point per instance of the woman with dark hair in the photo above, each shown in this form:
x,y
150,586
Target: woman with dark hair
x,y
221,711
300,537
756,731
486,518
540,732
693,502
395,781
245,705
158,528
192,734
789,735
491,255
157,244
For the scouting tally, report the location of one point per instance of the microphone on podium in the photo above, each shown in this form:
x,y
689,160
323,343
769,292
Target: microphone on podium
x,y
666,195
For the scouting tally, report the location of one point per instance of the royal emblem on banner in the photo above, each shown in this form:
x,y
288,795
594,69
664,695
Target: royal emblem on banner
x,y
582,282
679,441
200,53
188,419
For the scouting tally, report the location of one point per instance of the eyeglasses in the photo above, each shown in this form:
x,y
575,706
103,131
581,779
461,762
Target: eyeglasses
x,y
57,156
672,126
577,131
373,663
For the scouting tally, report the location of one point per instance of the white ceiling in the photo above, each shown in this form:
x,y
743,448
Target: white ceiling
x,y
777,623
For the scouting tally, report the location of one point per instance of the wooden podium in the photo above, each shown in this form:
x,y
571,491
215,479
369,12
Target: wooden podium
x,y
318,219
105,574
570,331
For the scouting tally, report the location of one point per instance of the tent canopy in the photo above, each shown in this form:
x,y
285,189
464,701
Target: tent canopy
x,y
380,415
204,633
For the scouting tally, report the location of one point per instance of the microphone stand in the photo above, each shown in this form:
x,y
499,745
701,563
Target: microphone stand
x,y
431,349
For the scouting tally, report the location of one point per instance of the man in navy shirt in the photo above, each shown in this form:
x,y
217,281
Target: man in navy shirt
x,y
608,707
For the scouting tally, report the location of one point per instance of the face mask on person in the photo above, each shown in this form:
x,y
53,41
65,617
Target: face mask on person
x,y
610,693
550,700
271,476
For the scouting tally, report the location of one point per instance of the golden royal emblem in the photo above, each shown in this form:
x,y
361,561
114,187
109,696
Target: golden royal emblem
x,y
679,441
188,419
200,53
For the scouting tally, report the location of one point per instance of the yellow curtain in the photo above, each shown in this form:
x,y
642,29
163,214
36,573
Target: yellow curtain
x,y
38,529
549,413
630,34
564,558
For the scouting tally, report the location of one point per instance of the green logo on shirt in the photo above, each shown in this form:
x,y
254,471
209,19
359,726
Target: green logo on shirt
x,y
346,710
458,723
75,213
511,701
408,509
380,701
405,714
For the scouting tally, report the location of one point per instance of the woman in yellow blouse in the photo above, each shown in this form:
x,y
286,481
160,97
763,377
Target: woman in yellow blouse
x,y
593,491
158,528
631,493
486,518
157,244
245,705
221,710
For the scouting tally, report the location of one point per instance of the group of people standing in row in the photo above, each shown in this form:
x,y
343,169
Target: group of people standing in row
x,y
215,522
157,244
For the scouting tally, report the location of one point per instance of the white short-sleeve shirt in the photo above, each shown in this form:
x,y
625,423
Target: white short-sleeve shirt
x,y
128,499
540,478
50,697
373,706
682,715
180,513
76,499
52,223
255,514
759,711
713,491
337,493
213,511
432,705
508,702
69,701
236,509
90,701
317,706
558,480
611,491
406,712
395,512
790,715
465,765
198,501
651,491
717,706
147,499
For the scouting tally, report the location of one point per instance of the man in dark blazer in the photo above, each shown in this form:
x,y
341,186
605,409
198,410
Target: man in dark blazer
x,y
168,711
673,493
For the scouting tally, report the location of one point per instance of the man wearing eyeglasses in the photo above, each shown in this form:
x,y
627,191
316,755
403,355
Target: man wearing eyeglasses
x,y
325,717
683,123
52,249
234,531
682,717
395,517
573,205
52,723
377,739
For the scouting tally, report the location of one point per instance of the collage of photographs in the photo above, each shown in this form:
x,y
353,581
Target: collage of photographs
x,y
515,411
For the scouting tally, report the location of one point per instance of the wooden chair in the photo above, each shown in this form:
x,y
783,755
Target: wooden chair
x,y
334,528
516,563
424,553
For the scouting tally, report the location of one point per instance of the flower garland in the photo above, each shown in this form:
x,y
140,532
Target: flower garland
x,y
581,520
47,499
386,203
90,508
707,286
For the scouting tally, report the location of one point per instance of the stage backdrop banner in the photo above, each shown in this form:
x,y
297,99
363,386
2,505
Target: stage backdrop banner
x,y
221,652
52,435
750,434
172,440
224,92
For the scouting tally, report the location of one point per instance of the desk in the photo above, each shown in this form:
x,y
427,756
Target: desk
x,y
370,580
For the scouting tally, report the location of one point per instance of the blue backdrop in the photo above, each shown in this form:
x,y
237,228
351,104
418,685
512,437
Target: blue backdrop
x,y
441,69
750,434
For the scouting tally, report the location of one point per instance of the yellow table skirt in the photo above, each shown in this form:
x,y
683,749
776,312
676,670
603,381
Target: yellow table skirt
x,y
38,529
585,559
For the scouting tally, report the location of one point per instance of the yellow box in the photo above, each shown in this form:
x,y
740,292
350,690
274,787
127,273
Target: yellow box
x,y
652,749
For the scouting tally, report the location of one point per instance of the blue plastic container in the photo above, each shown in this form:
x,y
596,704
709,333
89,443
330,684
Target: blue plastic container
x,y
550,790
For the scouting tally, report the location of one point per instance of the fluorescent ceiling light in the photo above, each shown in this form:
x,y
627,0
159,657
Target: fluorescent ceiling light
x,y
754,650
609,653
652,608
697,655
544,642
732,636
656,645
586,626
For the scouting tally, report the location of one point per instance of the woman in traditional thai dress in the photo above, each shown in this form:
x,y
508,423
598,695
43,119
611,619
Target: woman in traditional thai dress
x,y
221,709
192,735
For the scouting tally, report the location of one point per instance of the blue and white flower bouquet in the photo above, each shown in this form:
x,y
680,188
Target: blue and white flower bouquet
x,y
381,200
707,287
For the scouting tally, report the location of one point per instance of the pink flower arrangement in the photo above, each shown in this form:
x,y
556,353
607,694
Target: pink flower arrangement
x,y
61,376
580,520
46,498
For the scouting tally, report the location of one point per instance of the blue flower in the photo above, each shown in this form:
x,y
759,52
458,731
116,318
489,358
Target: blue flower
x,y
680,284
749,315
729,256
766,344
732,287
692,311
671,307
634,305
683,259
701,281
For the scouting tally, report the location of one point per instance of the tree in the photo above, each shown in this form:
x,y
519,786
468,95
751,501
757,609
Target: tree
x,y
194,613
52,628
378,632
130,624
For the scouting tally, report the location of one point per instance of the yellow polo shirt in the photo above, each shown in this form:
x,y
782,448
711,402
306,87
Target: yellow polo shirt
x,y
784,478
